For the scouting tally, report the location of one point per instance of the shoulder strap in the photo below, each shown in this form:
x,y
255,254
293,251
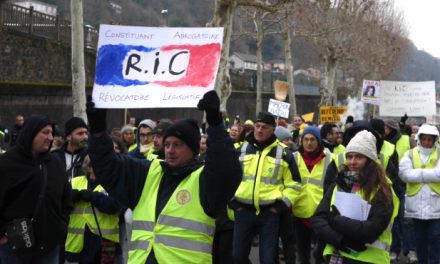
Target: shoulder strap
x,y
43,167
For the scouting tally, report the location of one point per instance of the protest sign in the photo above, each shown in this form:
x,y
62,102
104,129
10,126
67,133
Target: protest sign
x,y
279,108
308,117
281,90
145,67
371,92
413,98
331,113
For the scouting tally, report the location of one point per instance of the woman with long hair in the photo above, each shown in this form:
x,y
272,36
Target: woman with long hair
x,y
367,239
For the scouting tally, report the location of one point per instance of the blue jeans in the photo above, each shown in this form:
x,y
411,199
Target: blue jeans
x,y
9,256
427,240
247,224
403,232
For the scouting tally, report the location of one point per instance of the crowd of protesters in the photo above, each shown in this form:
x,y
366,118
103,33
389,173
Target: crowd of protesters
x,y
158,191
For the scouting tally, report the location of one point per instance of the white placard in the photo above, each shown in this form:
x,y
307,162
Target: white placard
x,y
279,108
371,92
146,67
412,98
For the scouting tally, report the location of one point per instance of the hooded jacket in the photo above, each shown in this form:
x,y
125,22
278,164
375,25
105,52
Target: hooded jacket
x,y
136,152
21,181
425,204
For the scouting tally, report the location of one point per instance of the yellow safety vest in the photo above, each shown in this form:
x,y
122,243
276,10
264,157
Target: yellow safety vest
x,y
132,147
150,155
378,251
182,233
312,185
402,146
262,182
413,188
82,215
338,149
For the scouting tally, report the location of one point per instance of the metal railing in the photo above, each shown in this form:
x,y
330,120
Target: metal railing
x,y
15,18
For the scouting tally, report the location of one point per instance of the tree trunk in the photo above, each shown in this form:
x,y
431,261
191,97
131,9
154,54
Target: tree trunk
x,y
287,37
328,84
78,70
259,51
223,16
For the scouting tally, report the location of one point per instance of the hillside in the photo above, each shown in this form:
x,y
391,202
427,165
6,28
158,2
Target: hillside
x,y
418,66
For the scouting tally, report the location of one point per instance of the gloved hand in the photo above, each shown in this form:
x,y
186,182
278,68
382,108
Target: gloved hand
x,y
96,116
352,245
210,103
403,119
333,214
85,195
75,194
280,207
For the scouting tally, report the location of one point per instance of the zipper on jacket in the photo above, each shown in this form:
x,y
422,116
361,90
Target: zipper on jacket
x,y
255,180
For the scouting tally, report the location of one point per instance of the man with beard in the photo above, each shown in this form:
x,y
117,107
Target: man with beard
x,y
329,135
74,149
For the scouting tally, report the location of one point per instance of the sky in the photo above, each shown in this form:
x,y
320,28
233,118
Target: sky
x,y
422,18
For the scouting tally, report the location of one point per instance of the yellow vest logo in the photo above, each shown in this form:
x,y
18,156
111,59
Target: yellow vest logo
x,y
183,197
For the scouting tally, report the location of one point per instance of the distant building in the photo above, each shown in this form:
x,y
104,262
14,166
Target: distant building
x,y
38,6
275,65
242,61
116,7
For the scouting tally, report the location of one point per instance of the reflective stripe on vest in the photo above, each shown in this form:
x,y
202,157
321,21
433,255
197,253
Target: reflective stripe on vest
x,y
378,251
261,181
312,185
83,215
182,232
413,188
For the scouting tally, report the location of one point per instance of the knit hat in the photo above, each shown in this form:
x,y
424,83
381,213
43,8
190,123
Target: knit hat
x,y
378,126
392,124
282,133
161,128
186,130
266,117
126,129
147,122
312,130
74,123
364,143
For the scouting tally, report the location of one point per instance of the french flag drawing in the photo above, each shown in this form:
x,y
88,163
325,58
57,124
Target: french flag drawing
x,y
181,65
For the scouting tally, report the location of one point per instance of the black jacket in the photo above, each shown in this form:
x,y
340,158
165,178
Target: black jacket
x,y
343,232
21,180
77,160
124,177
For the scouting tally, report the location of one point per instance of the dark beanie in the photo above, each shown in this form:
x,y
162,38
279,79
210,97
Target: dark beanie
x,y
186,130
266,117
72,124
378,126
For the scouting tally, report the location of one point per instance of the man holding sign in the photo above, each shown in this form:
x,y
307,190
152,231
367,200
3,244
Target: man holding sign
x,y
174,201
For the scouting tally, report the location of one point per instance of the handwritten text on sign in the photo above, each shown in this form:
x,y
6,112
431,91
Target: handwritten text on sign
x,y
331,113
413,98
279,108
141,67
